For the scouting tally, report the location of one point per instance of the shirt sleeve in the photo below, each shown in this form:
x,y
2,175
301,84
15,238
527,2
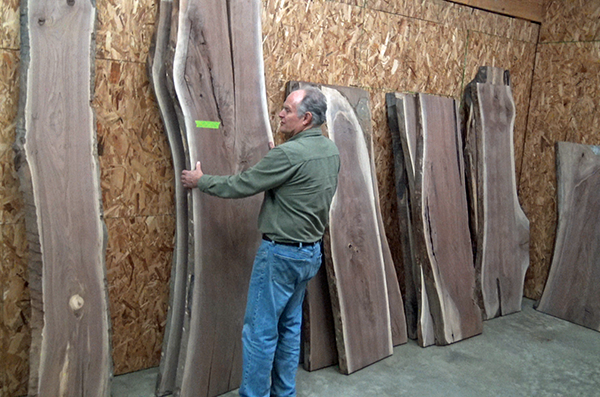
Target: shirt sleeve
x,y
272,171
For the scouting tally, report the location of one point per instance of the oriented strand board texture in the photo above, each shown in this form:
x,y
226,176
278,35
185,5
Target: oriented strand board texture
x,y
139,268
571,20
9,25
15,335
565,106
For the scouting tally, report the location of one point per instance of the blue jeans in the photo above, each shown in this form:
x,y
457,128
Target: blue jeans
x,y
271,333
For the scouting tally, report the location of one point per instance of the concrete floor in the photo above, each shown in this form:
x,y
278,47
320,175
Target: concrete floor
x,y
523,354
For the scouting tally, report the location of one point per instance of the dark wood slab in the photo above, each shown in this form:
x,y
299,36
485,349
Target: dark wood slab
x,y
218,77
56,158
572,291
157,67
440,222
499,227
402,121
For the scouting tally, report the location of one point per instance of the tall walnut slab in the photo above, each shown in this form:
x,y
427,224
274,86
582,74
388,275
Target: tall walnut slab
x,y
157,61
58,169
499,227
402,120
357,275
572,291
440,222
218,77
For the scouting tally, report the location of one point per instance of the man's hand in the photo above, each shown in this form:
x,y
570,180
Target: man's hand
x,y
189,179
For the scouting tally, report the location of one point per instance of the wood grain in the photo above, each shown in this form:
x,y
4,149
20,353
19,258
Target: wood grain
x,y
179,271
217,74
59,173
440,222
499,227
532,10
572,292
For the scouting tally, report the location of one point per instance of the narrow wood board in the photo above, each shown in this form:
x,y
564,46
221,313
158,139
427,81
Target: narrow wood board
x,y
572,291
499,228
402,121
440,222
59,174
218,77
157,61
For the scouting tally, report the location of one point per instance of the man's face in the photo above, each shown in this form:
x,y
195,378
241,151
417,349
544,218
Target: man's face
x,y
290,124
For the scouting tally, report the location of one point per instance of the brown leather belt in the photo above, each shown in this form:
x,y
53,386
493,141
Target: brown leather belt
x,y
264,236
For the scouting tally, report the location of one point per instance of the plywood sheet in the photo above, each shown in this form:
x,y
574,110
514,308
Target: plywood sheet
x,y
461,16
571,292
526,9
15,334
125,29
405,54
11,200
138,270
9,29
137,172
564,107
566,20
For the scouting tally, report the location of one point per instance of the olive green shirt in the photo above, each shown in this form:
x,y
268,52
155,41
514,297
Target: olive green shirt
x,y
299,179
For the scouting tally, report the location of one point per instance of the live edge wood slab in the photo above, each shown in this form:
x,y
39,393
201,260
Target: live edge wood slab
x,y
58,168
438,236
365,296
216,72
572,291
500,229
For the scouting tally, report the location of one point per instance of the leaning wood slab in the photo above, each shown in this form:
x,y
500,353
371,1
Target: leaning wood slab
x,y
157,61
402,120
499,227
357,265
572,291
59,174
442,243
220,95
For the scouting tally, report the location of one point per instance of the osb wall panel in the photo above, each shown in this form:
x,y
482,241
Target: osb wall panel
x,y
14,296
565,106
519,58
461,17
16,313
137,183
571,20
405,54
125,29
9,24
135,161
138,271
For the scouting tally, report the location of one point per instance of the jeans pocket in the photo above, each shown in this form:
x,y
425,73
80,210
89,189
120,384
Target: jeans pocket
x,y
288,269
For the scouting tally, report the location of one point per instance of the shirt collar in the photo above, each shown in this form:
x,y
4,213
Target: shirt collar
x,y
315,131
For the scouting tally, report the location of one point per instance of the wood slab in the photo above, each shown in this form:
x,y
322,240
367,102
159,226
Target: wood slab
x,y
572,291
355,257
218,77
441,240
57,163
157,68
402,121
500,229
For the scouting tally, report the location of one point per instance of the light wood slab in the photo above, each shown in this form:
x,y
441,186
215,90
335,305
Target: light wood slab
x,y
58,167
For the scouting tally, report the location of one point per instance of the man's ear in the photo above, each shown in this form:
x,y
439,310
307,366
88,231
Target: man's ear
x,y
308,117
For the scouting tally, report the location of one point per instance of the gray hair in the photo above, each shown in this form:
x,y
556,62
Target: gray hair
x,y
314,101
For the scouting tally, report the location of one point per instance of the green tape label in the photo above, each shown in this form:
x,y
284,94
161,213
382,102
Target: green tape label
x,y
208,124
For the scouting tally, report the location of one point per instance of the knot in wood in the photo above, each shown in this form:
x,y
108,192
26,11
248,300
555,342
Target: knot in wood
x,y
41,21
76,303
71,2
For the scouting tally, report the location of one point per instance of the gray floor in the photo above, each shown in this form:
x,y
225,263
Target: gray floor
x,y
523,354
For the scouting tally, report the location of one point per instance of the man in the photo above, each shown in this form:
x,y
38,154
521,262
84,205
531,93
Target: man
x,y
299,179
